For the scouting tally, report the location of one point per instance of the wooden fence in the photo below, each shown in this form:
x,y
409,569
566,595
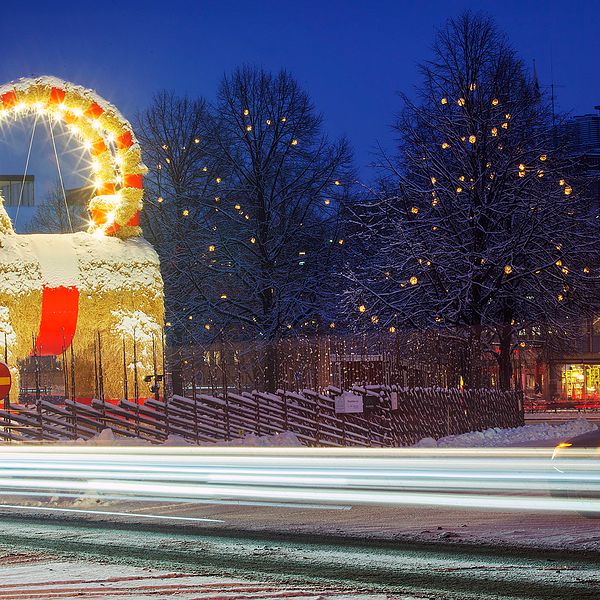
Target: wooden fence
x,y
392,416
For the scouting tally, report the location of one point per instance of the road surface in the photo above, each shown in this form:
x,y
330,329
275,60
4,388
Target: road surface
x,y
313,565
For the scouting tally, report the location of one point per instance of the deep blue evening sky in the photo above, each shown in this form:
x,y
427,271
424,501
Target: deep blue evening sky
x,y
352,56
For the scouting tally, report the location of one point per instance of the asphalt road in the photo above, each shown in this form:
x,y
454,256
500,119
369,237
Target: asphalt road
x,y
446,567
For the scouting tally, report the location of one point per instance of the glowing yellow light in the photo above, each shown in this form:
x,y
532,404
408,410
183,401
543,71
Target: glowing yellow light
x,y
521,173
327,202
414,210
413,280
472,139
543,157
507,115
246,112
562,182
168,323
218,179
495,102
568,190
433,180
521,167
586,269
461,101
392,329
186,212
283,120
223,296
248,127
340,242
337,182
294,142
268,121
435,202
444,100
87,145
190,317
253,240
472,86
362,308
160,199
494,131
508,269
504,125
522,344
375,319
461,178
560,297
211,248
445,145
196,140
458,190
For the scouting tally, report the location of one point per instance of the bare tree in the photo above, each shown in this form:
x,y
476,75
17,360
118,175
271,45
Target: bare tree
x,y
482,224
57,215
275,230
243,207
173,133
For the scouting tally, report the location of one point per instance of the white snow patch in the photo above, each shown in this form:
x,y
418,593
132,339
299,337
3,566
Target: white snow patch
x,y
108,438
497,437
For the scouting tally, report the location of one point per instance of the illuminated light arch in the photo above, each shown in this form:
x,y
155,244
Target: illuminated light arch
x,y
105,134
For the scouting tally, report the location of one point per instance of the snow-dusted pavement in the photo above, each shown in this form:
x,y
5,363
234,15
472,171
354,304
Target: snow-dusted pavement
x,y
39,577
51,559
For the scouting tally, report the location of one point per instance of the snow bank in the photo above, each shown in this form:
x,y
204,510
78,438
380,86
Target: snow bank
x,y
107,438
516,436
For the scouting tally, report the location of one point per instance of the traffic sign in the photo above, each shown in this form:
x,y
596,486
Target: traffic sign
x,y
5,380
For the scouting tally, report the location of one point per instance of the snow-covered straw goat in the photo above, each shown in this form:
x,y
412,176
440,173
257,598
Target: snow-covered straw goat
x,y
101,288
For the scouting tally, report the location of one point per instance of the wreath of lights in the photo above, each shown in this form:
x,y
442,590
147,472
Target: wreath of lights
x,y
116,159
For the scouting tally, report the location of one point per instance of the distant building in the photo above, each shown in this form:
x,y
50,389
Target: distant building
x,y
586,130
80,196
10,190
21,213
575,375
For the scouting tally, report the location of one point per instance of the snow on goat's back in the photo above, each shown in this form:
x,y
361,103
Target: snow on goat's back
x,y
30,262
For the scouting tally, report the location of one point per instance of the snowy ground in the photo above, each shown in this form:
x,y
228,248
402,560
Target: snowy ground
x,y
544,434
115,561
41,577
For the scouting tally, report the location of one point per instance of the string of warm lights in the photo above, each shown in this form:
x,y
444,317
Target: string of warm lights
x,y
115,155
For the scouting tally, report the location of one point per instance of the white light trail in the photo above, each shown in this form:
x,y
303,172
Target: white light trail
x,y
500,479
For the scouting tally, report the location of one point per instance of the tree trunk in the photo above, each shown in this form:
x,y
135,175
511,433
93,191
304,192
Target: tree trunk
x,y
505,370
271,366
473,364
